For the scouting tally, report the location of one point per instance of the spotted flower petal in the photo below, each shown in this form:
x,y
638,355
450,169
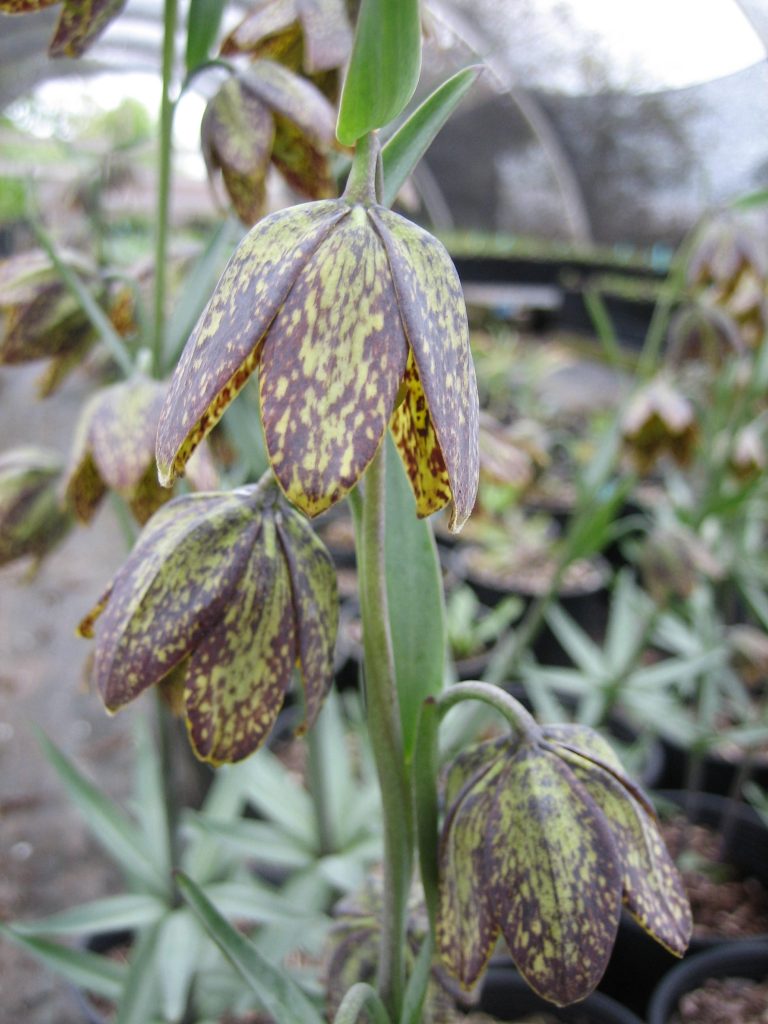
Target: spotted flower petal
x,y
32,520
114,449
543,838
210,590
332,364
324,299
226,344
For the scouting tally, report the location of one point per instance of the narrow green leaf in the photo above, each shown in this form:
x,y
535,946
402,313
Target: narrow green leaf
x,y
425,775
140,996
415,597
384,67
412,139
178,950
275,793
584,651
150,807
203,22
751,200
224,803
276,990
113,913
255,902
261,842
114,830
97,974
416,989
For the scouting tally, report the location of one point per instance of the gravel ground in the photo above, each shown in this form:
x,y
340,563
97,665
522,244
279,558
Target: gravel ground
x,y
48,861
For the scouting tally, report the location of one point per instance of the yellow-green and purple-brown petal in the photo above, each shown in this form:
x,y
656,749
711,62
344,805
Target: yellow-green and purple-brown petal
x,y
32,519
114,448
80,25
211,593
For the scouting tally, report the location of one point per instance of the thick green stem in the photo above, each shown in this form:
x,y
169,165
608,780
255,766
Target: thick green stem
x,y
363,175
385,733
165,156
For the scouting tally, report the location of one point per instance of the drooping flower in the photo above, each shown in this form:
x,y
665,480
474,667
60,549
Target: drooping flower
x,y
355,319
40,318
80,23
32,519
659,421
315,35
114,449
232,591
543,840
267,114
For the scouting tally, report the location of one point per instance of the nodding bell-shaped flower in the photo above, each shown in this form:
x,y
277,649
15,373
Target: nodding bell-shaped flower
x,y
79,24
268,115
230,592
543,840
32,519
355,319
114,449
659,421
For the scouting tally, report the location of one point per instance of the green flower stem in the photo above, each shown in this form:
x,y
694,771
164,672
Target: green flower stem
x,y
385,732
522,721
364,173
359,998
167,109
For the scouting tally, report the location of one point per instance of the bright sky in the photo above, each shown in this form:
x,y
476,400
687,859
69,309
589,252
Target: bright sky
x,y
669,43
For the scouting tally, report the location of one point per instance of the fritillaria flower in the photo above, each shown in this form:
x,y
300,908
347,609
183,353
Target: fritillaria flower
x,y
80,24
266,115
659,421
313,34
114,449
355,319
231,592
544,839
32,519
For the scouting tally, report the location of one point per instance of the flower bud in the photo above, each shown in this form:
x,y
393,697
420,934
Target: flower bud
x,y
32,520
233,591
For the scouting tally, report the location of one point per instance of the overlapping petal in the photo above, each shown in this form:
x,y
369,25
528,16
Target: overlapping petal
x,y
210,590
543,839
353,326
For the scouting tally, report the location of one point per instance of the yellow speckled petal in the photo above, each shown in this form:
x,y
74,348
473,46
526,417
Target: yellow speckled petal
x,y
432,306
171,591
237,133
316,606
146,496
466,767
303,165
467,924
224,347
122,430
653,891
331,366
553,872
80,24
415,438
294,97
238,675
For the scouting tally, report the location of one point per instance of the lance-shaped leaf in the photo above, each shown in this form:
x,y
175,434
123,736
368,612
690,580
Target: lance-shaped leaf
x,y
80,25
344,308
543,838
219,586
114,449
32,520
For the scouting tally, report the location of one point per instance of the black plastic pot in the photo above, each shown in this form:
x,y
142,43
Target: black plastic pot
x,y
638,962
747,959
506,996
716,774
